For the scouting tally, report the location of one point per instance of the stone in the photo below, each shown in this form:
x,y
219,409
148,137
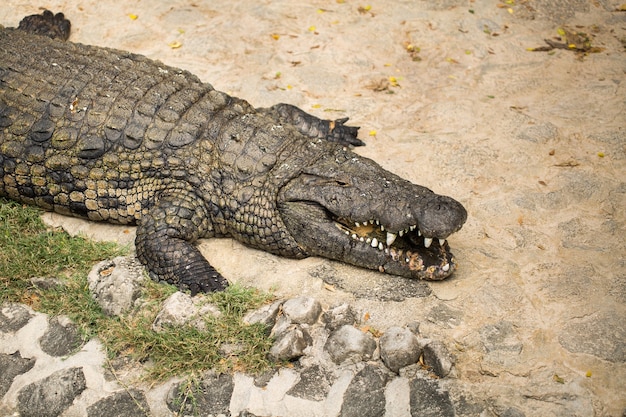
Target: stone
x,y
46,283
302,310
314,384
349,343
539,133
601,335
290,344
62,337
13,317
340,315
500,337
116,284
429,399
512,412
399,347
445,315
127,403
414,327
210,398
12,366
51,396
365,396
283,323
437,356
265,315
181,309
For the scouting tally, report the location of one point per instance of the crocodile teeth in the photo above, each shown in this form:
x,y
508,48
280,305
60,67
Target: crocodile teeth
x,y
380,246
412,228
374,243
391,237
357,224
445,268
428,241
401,233
442,242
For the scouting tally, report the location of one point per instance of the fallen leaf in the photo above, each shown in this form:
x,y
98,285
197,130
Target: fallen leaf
x,y
568,164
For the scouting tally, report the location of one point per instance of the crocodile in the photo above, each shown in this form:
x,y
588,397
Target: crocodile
x,y
113,136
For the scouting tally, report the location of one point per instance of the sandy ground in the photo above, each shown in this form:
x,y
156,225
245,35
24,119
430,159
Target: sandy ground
x,y
448,96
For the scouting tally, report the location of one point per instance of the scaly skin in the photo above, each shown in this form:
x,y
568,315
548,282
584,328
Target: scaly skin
x,y
113,136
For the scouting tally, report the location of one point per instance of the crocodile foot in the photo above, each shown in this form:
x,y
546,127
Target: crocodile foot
x,y
54,26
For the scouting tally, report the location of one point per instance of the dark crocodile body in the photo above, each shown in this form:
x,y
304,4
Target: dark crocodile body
x,y
113,136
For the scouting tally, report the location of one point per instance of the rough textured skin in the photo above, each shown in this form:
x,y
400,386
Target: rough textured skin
x,y
113,136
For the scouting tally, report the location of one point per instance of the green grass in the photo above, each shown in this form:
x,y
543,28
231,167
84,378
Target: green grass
x,y
29,249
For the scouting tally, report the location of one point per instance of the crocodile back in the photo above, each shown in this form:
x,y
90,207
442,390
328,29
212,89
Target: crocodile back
x,y
96,132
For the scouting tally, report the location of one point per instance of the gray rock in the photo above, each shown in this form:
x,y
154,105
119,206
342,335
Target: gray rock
x,y
62,337
429,399
246,413
414,327
210,398
399,348
512,412
348,343
500,337
365,396
283,323
314,384
539,133
436,356
265,315
180,309
12,366
445,315
302,310
127,403
13,317
380,287
52,395
340,315
601,335
264,378
116,284
290,344
46,283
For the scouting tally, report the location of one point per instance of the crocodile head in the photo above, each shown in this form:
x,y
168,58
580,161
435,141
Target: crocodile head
x,y
346,207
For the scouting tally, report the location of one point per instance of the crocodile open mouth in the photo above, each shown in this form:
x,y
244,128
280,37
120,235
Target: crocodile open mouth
x,y
404,252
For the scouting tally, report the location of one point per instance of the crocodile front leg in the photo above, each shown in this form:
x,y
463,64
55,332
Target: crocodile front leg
x,y
165,238
311,126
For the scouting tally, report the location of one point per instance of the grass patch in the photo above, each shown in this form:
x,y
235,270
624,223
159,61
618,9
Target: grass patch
x,y
30,249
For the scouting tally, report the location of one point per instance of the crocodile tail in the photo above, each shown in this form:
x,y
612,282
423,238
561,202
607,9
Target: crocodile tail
x,y
54,26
